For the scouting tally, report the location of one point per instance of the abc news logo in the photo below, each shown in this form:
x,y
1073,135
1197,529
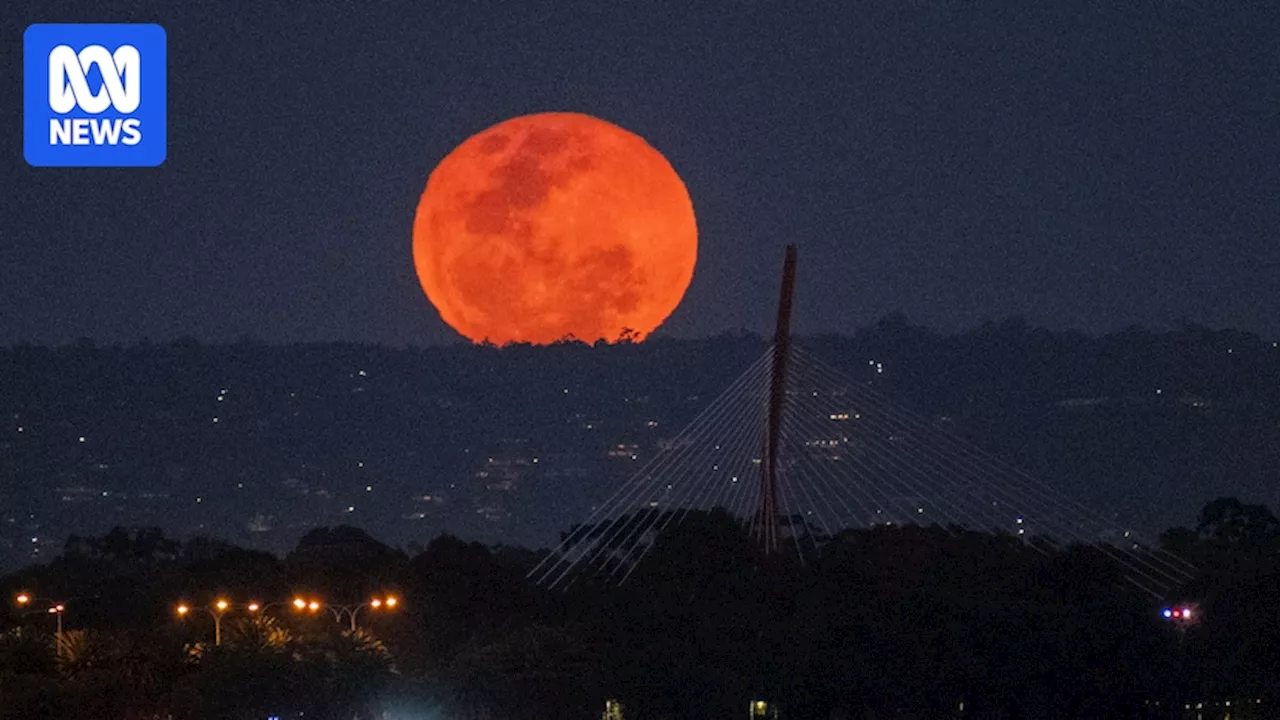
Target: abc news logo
x,y
94,95
69,88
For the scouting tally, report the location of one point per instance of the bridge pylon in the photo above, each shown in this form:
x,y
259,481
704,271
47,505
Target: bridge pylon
x,y
768,512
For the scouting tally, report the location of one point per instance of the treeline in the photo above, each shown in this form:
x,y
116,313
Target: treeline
x,y
927,621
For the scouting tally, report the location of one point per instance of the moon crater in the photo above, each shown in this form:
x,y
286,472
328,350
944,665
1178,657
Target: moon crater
x,y
554,225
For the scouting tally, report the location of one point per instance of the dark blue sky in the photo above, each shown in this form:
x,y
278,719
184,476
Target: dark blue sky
x,y
1089,165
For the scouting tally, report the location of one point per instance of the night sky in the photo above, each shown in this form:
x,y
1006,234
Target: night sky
x,y
1090,166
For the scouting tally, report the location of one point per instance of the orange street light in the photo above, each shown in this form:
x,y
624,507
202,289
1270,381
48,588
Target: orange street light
x,y
253,607
218,609
25,599
349,613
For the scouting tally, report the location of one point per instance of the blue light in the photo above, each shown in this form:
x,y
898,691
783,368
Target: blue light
x,y
1167,613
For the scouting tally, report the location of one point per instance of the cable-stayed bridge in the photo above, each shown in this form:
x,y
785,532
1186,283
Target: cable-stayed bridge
x,y
797,451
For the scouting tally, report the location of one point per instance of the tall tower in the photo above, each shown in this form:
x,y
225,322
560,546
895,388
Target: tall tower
x,y
771,526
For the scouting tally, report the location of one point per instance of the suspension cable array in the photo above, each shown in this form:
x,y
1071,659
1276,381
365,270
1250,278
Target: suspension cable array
x,y
848,458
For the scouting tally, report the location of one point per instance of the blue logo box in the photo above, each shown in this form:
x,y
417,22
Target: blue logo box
x,y
94,95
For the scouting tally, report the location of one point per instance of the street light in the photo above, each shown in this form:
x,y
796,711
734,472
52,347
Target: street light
x,y
216,611
52,607
350,612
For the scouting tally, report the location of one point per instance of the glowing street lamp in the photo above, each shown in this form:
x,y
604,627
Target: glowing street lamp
x,y
56,609
349,612
216,611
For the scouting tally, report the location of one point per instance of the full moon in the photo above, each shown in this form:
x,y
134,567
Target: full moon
x,y
551,226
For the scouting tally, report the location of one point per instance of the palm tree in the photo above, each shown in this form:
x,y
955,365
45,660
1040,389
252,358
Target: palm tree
x,y
116,675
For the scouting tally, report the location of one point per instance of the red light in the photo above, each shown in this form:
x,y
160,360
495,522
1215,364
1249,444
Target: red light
x,y
1177,613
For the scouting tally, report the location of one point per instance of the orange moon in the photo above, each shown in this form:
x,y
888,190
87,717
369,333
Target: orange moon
x,y
554,225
